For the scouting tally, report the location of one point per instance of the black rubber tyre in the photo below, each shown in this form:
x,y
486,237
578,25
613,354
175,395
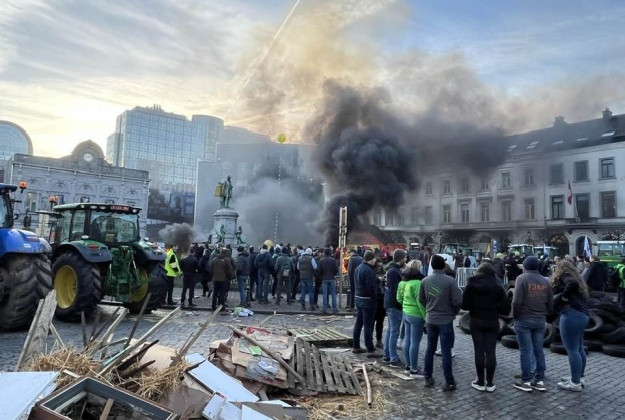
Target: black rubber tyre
x,y
30,279
608,316
507,329
557,348
593,345
594,323
78,286
465,323
615,337
611,307
156,285
551,333
510,341
616,350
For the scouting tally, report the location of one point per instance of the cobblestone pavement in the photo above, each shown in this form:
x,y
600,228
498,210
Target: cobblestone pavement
x,y
601,399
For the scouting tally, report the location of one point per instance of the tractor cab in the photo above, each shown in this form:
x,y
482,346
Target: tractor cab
x,y
110,224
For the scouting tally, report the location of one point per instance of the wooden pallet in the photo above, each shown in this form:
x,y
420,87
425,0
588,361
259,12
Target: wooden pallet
x,y
321,336
323,372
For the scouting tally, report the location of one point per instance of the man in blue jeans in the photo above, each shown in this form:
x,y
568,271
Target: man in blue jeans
x,y
365,285
532,301
442,298
393,307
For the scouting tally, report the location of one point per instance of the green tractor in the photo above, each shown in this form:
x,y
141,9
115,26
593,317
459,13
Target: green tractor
x,y
97,252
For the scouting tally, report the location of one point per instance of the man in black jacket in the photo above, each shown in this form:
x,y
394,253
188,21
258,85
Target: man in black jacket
x,y
189,266
393,307
365,282
354,261
597,274
253,274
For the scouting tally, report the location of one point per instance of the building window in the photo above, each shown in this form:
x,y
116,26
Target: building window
x,y
414,215
428,215
447,187
582,206
608,204
581,171
84,199
484,212
556,174
447,214
390,219
607,168
109,201
528,175
484,184
557,207
377,219
464,212
529,209
505,180
428,188
464,185
506,211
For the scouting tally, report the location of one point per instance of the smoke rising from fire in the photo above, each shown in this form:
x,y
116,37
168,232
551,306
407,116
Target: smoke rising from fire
x,y
181,234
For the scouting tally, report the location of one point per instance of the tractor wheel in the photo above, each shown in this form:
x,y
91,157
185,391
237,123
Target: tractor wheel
x,y
30,279
78,286
154,281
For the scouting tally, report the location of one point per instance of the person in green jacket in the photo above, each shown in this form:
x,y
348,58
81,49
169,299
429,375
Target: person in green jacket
x,y
414,315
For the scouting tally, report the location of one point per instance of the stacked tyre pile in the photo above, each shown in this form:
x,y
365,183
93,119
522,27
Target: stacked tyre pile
x,y
605,331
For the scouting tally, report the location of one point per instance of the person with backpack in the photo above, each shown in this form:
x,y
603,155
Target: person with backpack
x,y
283,268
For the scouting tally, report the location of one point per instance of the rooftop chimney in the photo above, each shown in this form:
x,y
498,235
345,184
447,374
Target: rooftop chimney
x,y
607,114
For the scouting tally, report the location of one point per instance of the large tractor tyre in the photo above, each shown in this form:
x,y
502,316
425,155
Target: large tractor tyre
x,y
465,323
30,280
510,341
154,281
78,286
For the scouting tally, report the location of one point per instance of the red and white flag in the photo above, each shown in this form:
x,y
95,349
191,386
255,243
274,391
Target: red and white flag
x,y
570,197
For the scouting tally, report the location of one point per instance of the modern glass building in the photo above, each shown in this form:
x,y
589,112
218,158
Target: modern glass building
x,y
13,139
168,146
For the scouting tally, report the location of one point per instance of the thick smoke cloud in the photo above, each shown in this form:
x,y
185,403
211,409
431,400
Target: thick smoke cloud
x,y
294,202
371,159
181,234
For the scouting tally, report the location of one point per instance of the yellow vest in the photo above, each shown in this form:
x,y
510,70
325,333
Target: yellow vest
x,y
171,264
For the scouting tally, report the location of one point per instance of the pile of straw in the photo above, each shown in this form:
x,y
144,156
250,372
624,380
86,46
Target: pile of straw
x,y
153,383
65,358
328,406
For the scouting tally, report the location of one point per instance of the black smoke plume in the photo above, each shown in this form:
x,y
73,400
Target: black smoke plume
x,y
181,234
371,155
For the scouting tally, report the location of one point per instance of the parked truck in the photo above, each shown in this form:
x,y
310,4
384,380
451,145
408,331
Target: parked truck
x,y
97,252
25,275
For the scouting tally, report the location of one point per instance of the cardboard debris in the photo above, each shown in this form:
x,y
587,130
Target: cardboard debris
x,y
217,381
186,401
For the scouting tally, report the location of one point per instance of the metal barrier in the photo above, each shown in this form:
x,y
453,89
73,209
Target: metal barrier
x,y
462,275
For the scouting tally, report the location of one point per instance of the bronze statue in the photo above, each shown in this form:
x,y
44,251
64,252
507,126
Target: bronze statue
x,y
224,191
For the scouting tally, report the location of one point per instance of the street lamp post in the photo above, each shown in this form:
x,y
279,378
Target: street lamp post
x,y
342,245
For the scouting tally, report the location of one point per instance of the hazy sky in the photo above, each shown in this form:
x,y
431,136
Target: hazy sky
x,y
68,68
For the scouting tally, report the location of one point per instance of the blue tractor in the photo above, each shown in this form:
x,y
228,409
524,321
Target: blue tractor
x,y
25,272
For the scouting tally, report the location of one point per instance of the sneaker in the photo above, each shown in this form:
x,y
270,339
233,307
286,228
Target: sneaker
x,y
400,343
429,382
358,350
407,370
582,381
491,388
570,386
396,364
386,359
449,387
476,385
416,374
440,353
538,385
523,386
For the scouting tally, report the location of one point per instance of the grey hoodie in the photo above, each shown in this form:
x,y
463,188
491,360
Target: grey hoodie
x,y
441,297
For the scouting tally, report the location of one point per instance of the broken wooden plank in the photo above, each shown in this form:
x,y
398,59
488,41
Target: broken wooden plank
x,y
38,332
307,356
331,382
347,379
354,377
107,409
193,338
138,320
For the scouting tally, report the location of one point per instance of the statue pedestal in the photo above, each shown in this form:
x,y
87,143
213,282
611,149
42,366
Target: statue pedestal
x,y
228,218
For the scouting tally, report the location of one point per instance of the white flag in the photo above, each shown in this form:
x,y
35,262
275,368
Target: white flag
x,y
587,251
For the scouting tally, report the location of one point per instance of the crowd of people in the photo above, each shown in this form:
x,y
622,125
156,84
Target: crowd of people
x,y
416,297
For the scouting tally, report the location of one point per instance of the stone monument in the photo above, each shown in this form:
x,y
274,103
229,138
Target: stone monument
x,y
225,228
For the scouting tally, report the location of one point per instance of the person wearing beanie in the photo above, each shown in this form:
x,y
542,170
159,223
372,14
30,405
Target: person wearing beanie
x,y
243,275
531,303
393,307
354,261
264,266
283,267
441,297
307,266
366,296
328,270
